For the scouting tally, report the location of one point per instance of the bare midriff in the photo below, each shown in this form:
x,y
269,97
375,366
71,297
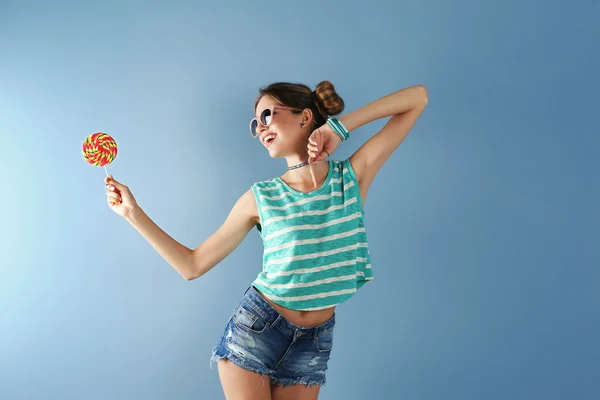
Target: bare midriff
x,y
306,319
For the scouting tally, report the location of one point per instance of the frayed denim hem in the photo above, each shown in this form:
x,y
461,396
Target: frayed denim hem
x,y
304,380
216,356
284,382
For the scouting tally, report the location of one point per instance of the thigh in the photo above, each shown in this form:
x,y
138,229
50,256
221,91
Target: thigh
x,y
241,384
295,392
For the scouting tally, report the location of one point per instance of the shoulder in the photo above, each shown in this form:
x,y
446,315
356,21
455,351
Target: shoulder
x,y
266,183
266,186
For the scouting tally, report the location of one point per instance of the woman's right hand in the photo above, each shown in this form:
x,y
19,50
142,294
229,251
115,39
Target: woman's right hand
x,y
119,197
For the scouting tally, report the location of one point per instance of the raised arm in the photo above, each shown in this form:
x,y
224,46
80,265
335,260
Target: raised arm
x,y
405,107
190,264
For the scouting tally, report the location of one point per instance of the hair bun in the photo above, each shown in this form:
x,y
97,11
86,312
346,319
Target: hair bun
x,y
328,98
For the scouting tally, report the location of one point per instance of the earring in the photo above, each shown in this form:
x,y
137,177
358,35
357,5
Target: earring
x,y
302,124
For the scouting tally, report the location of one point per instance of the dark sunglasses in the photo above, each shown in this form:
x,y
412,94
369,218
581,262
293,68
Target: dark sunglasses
x,y
265,118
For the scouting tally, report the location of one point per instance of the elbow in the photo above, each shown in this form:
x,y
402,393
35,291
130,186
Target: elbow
x,y
194,273
423,94
190,272
188,277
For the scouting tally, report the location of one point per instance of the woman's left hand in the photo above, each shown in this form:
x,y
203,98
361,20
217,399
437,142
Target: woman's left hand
x,y
322,143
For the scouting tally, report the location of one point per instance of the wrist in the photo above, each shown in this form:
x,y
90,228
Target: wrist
x,y
338,128
350,121
134,215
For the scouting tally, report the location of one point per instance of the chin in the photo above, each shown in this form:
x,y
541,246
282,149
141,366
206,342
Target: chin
x,y
274,153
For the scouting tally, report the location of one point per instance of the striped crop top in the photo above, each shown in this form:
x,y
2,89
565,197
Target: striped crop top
x,y
315,245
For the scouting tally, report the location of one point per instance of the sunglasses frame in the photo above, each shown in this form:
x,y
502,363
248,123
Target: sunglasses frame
x,y
272,109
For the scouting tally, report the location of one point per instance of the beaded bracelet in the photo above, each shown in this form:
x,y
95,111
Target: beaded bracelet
x,y
338,128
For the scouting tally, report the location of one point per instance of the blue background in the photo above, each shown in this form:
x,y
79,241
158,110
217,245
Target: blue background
x,y
483,226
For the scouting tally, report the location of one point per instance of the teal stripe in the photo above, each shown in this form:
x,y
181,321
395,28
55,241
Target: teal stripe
x,y
304,220
305,233
308,260
310,291
305,304
282,207
316,219
312,276
313,250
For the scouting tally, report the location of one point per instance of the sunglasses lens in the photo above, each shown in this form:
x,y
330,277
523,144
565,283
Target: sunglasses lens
x,y
266,117
253,127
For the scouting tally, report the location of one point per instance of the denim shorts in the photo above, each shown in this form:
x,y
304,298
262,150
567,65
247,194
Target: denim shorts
x,y
259,339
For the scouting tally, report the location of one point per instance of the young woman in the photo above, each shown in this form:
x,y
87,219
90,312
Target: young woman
x,y
311,222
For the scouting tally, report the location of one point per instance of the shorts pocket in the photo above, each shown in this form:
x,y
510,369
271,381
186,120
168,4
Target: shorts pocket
x,y
325,341
245,317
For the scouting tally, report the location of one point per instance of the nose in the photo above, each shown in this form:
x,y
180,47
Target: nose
x,y
260,128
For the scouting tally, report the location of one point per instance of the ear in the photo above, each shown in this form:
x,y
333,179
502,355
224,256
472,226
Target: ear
x,y
307,116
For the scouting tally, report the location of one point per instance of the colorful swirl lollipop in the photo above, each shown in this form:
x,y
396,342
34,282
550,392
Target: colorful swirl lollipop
x,y
99,149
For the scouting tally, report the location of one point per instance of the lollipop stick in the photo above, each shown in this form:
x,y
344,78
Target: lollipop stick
x,y
106,170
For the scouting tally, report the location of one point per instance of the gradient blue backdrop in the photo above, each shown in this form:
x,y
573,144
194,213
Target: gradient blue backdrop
x,y
484,225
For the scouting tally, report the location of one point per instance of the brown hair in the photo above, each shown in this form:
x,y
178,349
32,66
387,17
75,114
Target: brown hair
x,y
323,101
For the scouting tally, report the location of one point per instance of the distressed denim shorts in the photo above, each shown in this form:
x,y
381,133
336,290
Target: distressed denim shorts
x,y
259,339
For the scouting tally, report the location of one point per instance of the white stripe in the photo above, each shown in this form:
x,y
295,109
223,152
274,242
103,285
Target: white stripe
x,y
306,284
319,308
315,255
348,185
268,189
278,197
313,296
336,221
303,201
308,213
321,268
315,241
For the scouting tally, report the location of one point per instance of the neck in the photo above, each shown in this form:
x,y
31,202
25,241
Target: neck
x,y
311,175
294,163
